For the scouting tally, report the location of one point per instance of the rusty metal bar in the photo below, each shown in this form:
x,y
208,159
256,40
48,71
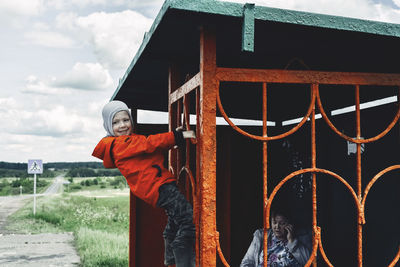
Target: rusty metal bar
x,y
321,249
314,87
186,123
317,170
313,254
262,138
373,180
355,140
396,259
359,187
173,82
265,169
189,86
221,255
306,77
207,147
178,152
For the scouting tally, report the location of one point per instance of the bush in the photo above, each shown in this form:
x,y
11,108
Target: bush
x,y
48,217
95,181
117,180
88,183
75,186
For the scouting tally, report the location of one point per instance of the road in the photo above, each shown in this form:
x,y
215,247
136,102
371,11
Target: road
x,y
54,188
34,250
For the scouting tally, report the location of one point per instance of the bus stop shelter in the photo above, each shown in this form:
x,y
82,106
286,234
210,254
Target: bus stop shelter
x,y
322,94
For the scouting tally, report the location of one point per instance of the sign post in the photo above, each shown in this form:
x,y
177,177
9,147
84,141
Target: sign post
x,y
35,166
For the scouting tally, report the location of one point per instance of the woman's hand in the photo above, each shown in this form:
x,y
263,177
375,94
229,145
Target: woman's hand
x,y
290,233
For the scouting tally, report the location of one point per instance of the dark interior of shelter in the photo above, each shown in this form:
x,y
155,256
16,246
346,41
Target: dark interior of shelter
x,y
240,183
239,158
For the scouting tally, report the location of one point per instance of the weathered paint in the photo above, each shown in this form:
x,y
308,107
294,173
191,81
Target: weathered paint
x,y
248,28
265,169
264,14
288,16
204,193
207,148
307,77
314,79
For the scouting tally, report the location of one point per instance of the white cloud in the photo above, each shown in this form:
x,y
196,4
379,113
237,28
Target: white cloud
x,y
85,76
20,148
21,7
57,121
115,37
49,39
62,4
362,9
7,103
15,12
36,86
397,3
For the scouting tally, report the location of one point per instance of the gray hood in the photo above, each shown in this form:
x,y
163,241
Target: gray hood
x,y
109,110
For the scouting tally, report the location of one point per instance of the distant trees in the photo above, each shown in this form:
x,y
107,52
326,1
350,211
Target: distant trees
x,y
81,172
23,173
75,169
87,172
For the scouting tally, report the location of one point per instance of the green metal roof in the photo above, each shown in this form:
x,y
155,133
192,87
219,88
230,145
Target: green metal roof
x,y
206,9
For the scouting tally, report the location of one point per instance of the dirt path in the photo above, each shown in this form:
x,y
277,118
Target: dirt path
x,y
32,250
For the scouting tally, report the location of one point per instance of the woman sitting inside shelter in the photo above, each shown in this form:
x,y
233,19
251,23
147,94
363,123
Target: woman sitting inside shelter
x,y
284,249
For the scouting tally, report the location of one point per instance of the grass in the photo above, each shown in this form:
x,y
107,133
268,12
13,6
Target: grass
x,y
100,248
10,186
95,183
100,225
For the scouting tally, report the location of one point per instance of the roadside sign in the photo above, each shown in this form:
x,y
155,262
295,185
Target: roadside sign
x,y
35,166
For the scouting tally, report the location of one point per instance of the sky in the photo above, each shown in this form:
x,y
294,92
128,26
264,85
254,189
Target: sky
x,y
61,60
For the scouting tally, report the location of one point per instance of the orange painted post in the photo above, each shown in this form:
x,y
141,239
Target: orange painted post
x,y
265,168
196,205
207,148
359,189
314,87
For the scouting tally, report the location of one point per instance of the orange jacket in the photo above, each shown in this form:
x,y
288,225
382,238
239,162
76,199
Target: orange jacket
x,y
140,159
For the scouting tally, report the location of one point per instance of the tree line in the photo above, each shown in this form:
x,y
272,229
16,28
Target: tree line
x,y
74,169
52,165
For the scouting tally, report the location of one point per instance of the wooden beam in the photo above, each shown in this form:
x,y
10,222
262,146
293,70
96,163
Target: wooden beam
x,y
189,86
307,77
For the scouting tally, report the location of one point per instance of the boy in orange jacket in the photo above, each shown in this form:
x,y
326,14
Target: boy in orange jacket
x,y
140,159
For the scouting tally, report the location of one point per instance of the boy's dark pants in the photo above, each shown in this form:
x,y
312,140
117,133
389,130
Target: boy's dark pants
x,y
180,233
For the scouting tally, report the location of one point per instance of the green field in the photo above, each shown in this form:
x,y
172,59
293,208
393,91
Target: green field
x,y
11,186
98,218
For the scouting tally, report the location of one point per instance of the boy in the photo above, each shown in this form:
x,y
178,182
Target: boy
x,y
140,159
